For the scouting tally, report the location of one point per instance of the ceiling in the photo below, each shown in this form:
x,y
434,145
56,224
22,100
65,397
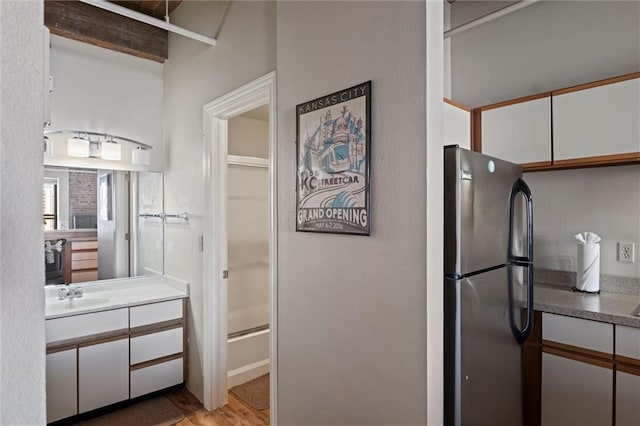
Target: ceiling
x,y
156,9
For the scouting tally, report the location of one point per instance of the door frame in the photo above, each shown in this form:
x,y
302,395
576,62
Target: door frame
x,y
215,137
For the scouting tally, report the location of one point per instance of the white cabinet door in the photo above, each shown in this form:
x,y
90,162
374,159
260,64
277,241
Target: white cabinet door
x,y
457,126
103,372
520,132
627,399
575,393
602,120
62,393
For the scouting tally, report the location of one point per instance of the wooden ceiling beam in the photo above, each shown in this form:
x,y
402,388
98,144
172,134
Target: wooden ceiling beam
x,y
89,24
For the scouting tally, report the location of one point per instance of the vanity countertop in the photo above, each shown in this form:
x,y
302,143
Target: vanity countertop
x,y
613,308
113,294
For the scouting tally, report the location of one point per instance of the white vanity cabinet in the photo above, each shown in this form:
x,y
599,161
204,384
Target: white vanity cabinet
x,y
98,359
62,392
518,131
598,120
627,376
577,371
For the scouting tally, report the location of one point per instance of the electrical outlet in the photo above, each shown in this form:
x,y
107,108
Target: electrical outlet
x,y
626,252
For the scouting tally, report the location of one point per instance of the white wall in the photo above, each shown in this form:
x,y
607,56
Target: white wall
x,y
100,90
22,347
546,46
195,75
601,200
351,309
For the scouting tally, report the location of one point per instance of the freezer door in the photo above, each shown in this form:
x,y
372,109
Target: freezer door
x,y
482,358
477,203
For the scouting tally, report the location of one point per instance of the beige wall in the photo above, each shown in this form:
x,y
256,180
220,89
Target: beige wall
x,y
22,346
602,200
248,137
351,309
195,75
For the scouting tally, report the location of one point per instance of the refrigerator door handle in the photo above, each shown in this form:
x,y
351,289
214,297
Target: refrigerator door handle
x,y
520,187
521,334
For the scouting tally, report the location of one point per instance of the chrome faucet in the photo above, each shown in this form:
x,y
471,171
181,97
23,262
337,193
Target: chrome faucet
x,y
69,292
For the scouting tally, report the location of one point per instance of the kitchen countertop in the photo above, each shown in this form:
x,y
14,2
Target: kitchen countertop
x,y
113,294
613,308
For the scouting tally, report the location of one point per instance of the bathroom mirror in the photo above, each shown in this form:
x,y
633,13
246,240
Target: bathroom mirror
x,y
93,224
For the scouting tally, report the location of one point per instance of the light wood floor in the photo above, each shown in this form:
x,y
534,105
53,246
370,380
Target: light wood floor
x,y
234,413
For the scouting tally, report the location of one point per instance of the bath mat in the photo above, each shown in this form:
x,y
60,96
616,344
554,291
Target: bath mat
x,y
255,392
152,412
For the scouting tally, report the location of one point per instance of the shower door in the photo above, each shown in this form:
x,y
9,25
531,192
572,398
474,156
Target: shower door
x,y
248,249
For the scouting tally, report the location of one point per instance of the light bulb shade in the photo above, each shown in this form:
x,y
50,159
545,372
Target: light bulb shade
x,y
77,147
141,157
111,151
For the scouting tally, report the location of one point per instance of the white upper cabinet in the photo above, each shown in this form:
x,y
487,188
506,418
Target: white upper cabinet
x,y
457,125
518,132
597,121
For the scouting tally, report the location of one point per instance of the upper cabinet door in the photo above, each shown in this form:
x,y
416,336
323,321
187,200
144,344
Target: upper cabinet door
x,y
597,121
518,131
457,125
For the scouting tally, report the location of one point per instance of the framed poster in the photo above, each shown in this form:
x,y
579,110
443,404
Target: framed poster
x,y
333,162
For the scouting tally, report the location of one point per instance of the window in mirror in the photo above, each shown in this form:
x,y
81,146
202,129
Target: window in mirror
x,y
50,204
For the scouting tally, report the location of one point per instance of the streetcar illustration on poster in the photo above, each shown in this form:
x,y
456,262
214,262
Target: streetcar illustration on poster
x,y
333,156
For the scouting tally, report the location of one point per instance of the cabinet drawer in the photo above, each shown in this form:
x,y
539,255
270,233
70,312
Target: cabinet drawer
x,y
84,276
156,377
155,312
628,341
156,345
84,245
84,255
594,335
84,264
86,325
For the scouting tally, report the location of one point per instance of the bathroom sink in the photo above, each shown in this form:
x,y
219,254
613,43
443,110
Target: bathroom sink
x,y
76,303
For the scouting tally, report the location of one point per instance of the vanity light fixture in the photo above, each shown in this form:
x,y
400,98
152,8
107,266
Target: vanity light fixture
x,y
140,156
111,151
77,147
87,144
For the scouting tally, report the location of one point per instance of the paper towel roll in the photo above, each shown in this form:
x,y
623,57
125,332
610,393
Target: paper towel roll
x,y
588,268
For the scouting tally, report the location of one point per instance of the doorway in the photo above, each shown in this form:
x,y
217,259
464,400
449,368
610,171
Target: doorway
x,y
258,95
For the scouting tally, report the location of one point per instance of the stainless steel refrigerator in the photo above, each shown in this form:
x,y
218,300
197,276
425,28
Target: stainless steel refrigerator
x,y
488,287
